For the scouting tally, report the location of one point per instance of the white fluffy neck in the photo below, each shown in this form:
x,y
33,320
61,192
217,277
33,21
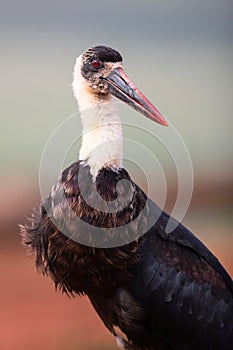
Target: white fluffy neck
x,y
102,131
102,138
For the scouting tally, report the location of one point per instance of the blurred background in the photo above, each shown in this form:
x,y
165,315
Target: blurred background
x,y
180,54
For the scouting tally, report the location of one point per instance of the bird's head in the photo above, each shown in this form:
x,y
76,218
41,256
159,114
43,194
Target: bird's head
x,y
99,74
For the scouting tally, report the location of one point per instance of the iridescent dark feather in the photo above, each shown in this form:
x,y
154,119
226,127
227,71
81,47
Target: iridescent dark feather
x,y
163,291
79,268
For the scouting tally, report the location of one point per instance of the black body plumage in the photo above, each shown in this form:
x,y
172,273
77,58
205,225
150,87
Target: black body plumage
x,y
163,291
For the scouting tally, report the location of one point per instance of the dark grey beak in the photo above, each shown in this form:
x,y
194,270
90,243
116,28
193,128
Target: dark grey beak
x,y
121,87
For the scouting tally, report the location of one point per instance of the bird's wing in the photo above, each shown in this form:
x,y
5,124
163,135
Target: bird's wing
x,y
186,292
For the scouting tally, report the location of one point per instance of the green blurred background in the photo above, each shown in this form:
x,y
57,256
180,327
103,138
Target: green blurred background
x,y
180,54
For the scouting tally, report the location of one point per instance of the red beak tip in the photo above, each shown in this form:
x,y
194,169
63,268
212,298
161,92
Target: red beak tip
x,y
161,120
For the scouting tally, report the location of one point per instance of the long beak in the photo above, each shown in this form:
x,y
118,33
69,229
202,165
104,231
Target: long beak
x,y
121,87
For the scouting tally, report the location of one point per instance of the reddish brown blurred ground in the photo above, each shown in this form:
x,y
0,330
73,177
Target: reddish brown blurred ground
x,y
33,316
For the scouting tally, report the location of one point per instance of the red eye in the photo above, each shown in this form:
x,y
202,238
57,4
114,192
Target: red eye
x,y
96,63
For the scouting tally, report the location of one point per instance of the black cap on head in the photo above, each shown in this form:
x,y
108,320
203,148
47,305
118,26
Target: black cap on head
x,y
103,53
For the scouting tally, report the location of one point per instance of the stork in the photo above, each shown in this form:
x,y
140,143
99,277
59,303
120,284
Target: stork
x,y
156,291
